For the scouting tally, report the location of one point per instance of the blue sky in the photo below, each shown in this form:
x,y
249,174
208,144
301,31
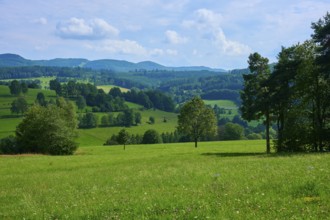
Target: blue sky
x,y
212,33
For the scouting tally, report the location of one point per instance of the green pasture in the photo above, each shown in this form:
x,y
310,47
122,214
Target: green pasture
x,y
98,136
227,104
217,180
9,121
87,137
106,88
44,80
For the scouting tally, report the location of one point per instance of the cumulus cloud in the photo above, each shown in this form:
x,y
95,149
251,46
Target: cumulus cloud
x,y
129,47
228,46
174,38
77,28
208,23
203,19
119,46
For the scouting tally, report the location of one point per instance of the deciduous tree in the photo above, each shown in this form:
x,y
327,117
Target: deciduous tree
x,y
197,120
19,105
48,130
123,137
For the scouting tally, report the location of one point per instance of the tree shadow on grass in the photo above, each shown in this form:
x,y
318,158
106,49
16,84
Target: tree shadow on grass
x,y
235,154
262,154
10,116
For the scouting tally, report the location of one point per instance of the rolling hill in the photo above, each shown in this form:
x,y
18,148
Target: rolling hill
x,y
14,60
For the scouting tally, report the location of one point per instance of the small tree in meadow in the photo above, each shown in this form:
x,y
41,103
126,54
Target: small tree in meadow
x,y
152,120
197,120
123,137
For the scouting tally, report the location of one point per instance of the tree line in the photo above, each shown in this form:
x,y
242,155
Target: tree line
x,y
296,95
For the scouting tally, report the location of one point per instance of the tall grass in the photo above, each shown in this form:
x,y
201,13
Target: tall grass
x,y
218,180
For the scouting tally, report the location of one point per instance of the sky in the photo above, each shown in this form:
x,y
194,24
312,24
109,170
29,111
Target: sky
x,y
213,33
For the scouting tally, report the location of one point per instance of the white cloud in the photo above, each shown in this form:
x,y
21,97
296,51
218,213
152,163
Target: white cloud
x,y
208,23
119,46
76,28
230,47
174,38
162,52
204,18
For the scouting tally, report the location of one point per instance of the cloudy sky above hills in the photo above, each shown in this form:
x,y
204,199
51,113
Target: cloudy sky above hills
x,y
218,34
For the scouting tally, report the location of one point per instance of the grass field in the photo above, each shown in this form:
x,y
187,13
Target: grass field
x,y
87,137
44,80
98,136
218,180
227,104
106,88
9,121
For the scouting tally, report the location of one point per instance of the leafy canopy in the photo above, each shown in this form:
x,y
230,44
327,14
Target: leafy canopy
x,y
197,120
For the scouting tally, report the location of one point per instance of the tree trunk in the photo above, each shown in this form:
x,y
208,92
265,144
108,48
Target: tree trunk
x,y
195,143
267,132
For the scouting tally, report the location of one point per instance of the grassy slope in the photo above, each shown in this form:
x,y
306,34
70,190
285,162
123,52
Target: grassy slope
x,y
88,137
44,80
106,88
8,121
226,104
97,136
218,180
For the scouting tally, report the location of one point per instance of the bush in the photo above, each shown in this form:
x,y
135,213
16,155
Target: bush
x,y
112,140
8,145
233,131
48,130
151,137
254,136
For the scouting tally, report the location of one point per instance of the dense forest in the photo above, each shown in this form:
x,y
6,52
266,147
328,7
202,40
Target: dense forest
x,y
181,85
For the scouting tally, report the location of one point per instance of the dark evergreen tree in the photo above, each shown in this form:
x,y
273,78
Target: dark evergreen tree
x,y
256,95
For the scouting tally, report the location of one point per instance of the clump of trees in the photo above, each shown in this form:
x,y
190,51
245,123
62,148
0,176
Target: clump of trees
x,y
151,136
296,96
88,94
19,105
47,129
16,88
150,99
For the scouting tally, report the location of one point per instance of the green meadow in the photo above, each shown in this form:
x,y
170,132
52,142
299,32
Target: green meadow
x,y
217,180
9,121
98,136
227,104
44,81
87,137
106,88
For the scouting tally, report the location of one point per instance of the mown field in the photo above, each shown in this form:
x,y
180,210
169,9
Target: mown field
x,y
217,180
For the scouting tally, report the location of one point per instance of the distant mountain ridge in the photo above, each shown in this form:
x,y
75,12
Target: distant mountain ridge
x,y
14,60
